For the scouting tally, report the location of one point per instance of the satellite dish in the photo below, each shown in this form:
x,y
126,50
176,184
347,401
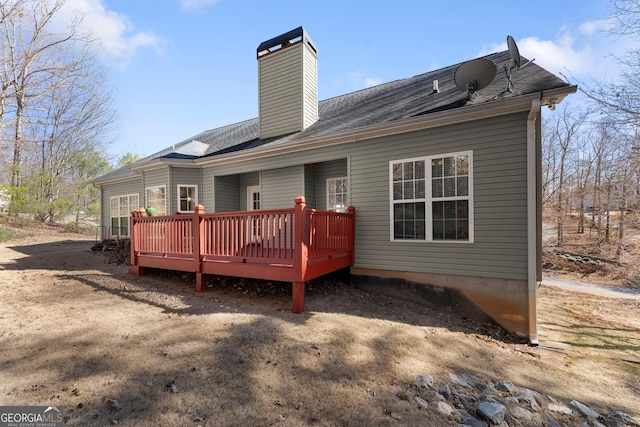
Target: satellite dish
x,y
474,75
514,52
516,61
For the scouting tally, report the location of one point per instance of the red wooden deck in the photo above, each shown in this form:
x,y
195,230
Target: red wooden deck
x,y
289,245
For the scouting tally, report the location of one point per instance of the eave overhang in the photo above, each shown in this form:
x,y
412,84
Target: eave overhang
x,y
295,143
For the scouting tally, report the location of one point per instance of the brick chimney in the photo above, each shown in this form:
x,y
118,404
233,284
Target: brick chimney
x,y
287,84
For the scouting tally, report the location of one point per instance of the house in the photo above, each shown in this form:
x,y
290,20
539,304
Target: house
x,y
446,181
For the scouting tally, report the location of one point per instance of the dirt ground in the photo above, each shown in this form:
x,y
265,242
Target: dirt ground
x,y
78,331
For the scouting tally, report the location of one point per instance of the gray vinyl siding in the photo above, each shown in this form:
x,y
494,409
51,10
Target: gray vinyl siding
x,y
331,169
280,187
227,194
499,182
500,203
184,176
287,90
310,189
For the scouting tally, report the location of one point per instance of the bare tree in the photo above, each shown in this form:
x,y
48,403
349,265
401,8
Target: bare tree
x,y
562,132
54,97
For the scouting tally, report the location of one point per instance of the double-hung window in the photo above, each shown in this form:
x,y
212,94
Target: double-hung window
x,y
157,199
337,194
120,209
187,198
431,198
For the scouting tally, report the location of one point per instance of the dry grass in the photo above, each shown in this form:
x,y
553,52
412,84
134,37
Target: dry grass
x,y
111,348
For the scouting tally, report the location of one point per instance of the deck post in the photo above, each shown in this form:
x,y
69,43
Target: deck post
x,y
135,269
301,252
352,233
198,239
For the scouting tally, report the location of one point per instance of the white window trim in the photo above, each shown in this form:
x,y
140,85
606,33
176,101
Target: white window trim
x,y
195,198
429,199
153,187
251,190
346,179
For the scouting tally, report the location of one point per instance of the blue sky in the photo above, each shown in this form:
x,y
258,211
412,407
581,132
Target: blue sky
x,y
179,67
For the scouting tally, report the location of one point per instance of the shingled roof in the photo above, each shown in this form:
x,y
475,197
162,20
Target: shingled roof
x,y
378,105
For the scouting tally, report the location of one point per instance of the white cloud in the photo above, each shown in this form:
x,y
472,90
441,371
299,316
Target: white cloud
x,y
196,4
580,54
115,33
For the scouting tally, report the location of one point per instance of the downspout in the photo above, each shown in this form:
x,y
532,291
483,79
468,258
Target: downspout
x,y
533,240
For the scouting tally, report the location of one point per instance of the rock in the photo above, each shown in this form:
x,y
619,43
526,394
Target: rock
x,y
422,404
469,402
493,412
425,380
445,409
432,396
584,409
507,386
475,382
470,420
522,414
444,390
622,418
552,421
458,381
512,421
528,396
560,408
487,398
512,400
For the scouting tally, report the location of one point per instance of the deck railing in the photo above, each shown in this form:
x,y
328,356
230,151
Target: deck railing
x,y
296,244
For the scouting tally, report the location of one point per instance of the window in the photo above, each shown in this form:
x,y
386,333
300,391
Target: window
x,y
337,193
253,204
187,198
120,210
157,199
431,198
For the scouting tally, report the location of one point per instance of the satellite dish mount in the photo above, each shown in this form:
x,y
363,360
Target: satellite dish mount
x,y
516,62
474,75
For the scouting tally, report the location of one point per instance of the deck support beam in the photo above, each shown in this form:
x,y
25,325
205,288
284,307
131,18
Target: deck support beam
x,y
136,270
201,281
297,305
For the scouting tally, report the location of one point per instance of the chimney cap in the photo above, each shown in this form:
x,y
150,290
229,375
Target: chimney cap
x,y
284,40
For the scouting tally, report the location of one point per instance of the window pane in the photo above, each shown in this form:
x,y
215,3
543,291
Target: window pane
x,y
462,164
438,230
183,192
420,212
397,191
463,230
408,190
450,229
407,170
463,185
437,210
398,212
449,210
420,230
436,188
332,201
398,230
449,187
420,169
449,166
462,209
436,168
397,172
409,212
420,193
